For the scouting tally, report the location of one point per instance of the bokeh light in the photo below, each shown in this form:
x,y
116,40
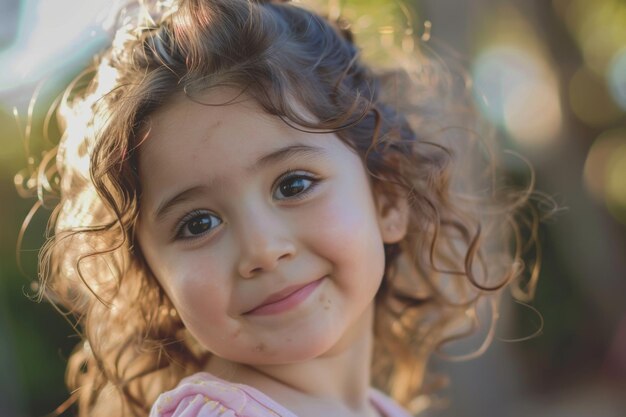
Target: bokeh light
x,y
605,171
617,78
616,183
49,38
590,99
598,26
518,91
379,27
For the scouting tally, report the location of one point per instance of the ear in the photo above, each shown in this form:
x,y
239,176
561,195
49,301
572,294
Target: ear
x,y
393,217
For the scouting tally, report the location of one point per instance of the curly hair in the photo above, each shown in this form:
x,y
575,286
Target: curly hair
x,y
463,244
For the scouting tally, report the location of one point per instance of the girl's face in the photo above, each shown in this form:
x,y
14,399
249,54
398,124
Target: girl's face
x,y
267,240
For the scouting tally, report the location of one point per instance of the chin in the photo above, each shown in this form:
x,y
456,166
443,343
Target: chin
x,y
298,351
305,351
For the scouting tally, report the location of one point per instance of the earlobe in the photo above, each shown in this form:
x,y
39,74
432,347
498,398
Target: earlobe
x,y
393,218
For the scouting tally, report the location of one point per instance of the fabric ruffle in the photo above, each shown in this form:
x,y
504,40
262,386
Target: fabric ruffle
x,y
202,395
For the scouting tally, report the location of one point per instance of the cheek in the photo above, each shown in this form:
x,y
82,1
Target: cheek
x,y
196,286
203,308
347,231
200,300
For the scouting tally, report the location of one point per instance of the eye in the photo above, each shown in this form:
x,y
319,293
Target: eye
x,y
196,224
294,185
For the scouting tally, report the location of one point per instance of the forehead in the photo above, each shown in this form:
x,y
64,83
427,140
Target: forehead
x,y
188,141
204,129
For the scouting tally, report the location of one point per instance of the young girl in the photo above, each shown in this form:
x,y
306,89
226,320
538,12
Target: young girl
x,y
248,226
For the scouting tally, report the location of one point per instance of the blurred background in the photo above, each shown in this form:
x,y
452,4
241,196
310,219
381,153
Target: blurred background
x,y
550,75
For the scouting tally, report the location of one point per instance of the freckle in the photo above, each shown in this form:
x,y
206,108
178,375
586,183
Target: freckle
x,y
289,340
326,308
322,298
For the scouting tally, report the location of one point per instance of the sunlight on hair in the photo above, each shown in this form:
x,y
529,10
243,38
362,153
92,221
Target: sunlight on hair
x,y
83,124
75,136
107,78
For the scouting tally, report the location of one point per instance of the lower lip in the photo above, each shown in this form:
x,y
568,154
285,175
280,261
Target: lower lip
x,y
287,303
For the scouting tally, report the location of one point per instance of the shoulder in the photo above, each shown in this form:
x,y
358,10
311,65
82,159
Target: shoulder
x,y
203,395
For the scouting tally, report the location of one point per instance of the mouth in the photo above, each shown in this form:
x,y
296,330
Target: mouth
x,y
285,300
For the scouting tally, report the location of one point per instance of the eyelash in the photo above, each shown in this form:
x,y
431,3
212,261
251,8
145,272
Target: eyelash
x,y
186,219
297,175
289,175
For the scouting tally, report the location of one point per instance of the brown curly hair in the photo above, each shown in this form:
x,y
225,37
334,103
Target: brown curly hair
x,y
463,244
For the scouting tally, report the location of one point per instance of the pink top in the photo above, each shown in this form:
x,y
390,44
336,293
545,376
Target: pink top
x,y
204,395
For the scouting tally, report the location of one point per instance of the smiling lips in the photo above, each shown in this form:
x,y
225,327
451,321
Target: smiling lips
x,y
285,300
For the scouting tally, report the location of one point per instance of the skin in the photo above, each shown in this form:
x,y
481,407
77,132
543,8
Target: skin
x,y
256,229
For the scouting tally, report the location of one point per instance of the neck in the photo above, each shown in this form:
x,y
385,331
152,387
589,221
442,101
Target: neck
x,y
340,377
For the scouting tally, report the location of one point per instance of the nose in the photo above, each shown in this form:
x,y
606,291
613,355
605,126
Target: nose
x,y
264,241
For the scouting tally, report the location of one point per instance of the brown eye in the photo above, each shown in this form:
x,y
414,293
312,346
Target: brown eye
x,y
294,186
197,224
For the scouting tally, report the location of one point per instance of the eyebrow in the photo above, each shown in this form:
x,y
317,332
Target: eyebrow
x,y
281,154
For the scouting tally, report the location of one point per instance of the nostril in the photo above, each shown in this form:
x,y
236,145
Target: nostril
x,y
260,257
